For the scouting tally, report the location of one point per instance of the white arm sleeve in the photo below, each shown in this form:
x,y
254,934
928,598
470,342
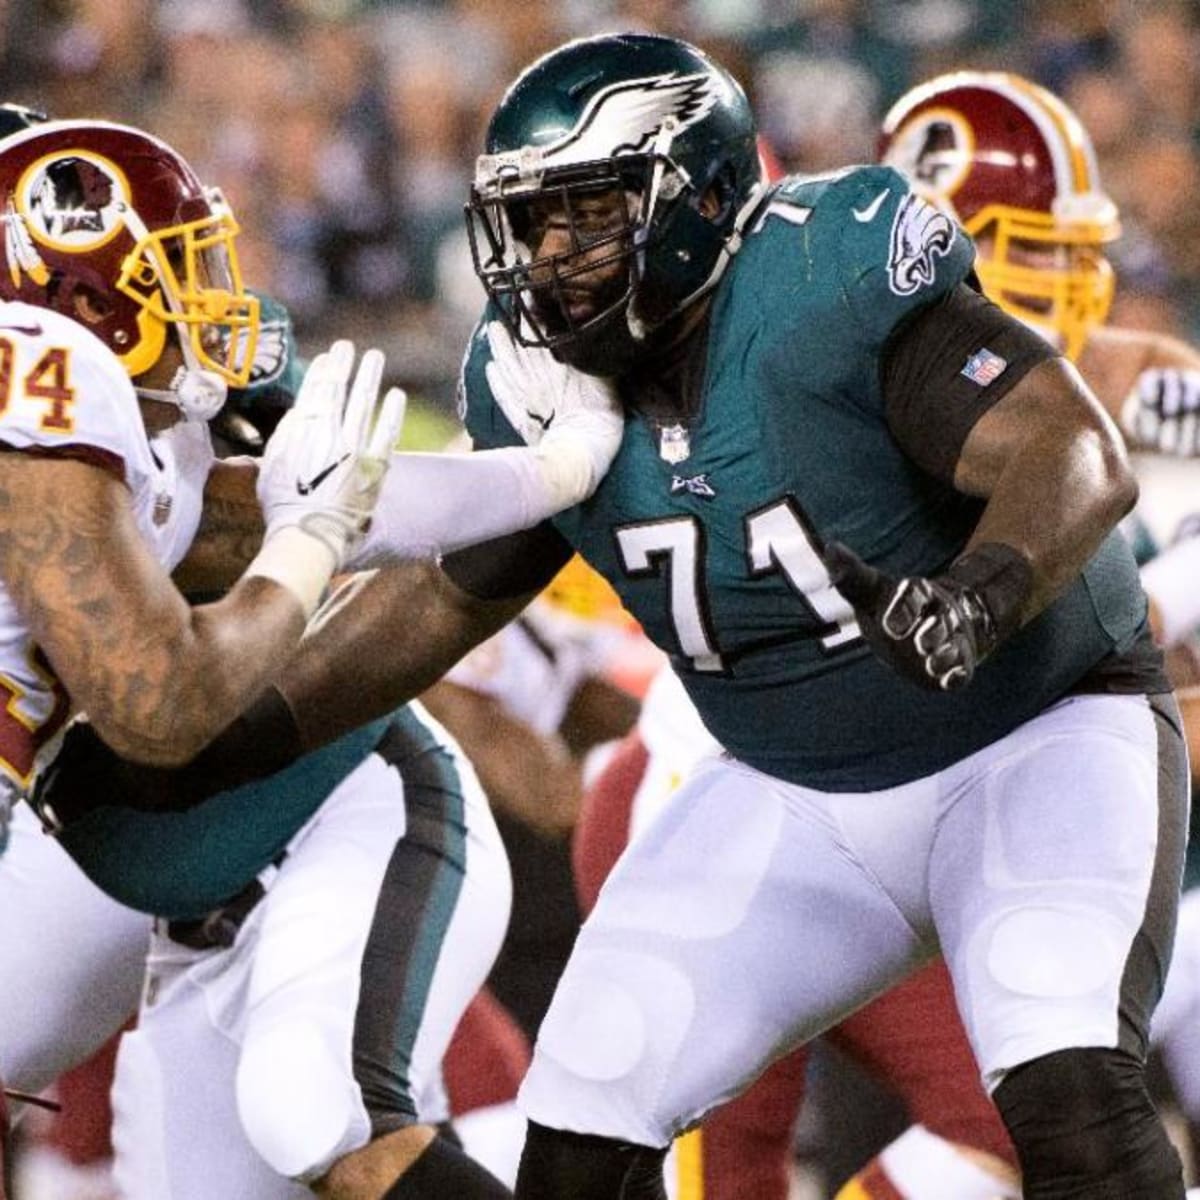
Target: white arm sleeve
x,y
433,504
1170,581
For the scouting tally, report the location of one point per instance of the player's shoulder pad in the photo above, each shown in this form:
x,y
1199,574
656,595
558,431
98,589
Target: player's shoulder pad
x,y
65,386
477,407
897,252
820,202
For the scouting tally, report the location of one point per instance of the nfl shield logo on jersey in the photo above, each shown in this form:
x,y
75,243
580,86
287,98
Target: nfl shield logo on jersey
x,y
983,366
673,443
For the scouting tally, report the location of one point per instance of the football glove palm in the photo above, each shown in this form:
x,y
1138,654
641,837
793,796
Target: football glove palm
x,y
323,466
322,471
575,421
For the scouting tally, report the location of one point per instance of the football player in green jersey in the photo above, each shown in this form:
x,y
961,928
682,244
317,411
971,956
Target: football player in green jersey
x,y
871,517
1015,167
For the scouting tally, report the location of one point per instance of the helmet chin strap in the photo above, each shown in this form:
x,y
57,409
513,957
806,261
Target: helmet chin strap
x,y
197,393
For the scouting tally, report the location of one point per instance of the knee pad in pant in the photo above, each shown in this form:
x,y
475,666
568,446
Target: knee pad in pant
x,y
555,1163
297,1104
1085,1128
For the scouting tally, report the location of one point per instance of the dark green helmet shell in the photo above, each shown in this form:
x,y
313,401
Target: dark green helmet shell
x,y
651,111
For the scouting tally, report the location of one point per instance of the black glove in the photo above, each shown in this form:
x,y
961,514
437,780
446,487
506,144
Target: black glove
x,y
936,632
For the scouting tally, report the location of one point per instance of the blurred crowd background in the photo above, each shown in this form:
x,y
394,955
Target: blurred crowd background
x,y
344,131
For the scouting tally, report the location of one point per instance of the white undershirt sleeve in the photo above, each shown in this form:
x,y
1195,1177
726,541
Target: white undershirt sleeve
x,y
433,504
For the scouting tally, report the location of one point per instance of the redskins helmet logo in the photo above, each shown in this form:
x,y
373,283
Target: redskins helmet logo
x,y
934,149
73,200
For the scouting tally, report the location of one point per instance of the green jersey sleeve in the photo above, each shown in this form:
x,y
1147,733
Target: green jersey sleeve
x,y
898,253
278,367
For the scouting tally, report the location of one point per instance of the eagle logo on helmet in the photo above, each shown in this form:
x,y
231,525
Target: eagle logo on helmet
x,y
921,234
626,117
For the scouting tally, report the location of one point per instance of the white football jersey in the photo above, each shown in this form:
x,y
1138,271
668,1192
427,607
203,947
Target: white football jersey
x,y
62,389
675,739
534,665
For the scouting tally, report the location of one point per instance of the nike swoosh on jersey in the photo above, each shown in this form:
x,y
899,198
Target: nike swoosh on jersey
x,y
868,214
544,422
28,330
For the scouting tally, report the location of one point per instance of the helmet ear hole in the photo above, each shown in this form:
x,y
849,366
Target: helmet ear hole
x,y
91,305
715,203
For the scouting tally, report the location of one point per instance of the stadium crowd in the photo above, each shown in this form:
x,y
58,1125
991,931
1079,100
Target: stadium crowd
x,y
343,131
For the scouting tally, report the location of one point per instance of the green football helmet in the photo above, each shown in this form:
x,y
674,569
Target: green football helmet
x,y
647,124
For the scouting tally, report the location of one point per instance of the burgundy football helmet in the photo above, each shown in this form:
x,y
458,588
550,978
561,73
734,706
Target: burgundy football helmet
x,y
111,227
1017,169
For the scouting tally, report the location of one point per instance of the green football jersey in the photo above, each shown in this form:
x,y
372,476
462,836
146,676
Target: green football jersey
x,y
184,864
710,529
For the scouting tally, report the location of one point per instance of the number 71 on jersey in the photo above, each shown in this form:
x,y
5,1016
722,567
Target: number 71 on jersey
x,y
777,540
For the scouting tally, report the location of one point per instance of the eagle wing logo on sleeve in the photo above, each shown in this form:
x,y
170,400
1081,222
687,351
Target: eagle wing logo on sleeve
x,y
270,353
921,234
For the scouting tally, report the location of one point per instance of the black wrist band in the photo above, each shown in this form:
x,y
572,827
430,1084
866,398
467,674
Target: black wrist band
x,y
1003,579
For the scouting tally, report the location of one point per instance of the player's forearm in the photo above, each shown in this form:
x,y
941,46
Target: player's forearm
x,y
434,504
230,533
431,504
381,640
1048,448
1161,411
528,776
189,684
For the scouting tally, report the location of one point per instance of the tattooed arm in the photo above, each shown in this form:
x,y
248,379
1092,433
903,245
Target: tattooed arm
x,y
230,533
157,678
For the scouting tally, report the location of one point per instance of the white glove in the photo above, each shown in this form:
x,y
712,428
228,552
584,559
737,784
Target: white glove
x,y
1163,411
574,421
322,469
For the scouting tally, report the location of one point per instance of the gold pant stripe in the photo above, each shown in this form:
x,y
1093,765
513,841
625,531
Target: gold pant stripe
x,y
689,1166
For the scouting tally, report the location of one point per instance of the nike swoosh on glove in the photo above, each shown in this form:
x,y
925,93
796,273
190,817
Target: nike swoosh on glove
x,y
323,466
